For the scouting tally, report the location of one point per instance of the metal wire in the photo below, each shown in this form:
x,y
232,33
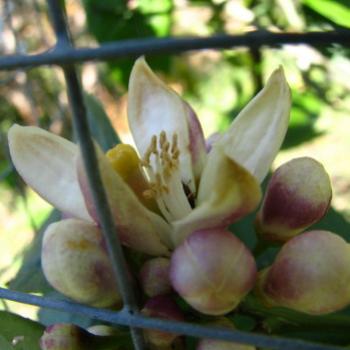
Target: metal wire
x,y
133,48
65,55
127,319
91,167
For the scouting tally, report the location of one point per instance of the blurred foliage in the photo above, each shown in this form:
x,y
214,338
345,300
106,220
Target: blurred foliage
x,y
18,332
217,83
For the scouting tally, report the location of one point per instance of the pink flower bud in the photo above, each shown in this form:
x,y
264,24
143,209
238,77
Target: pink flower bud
x,y
311,274
215,344
161,306
154,277
212,270
62,337
298,195
75,262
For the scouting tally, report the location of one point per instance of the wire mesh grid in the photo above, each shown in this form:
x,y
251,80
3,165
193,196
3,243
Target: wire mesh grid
x,y
65,55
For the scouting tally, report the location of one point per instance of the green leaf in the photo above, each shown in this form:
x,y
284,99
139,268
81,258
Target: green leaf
x,y
30,277
243,322
336,11
4,344
100,125
330,328
111,20
334,222
21,330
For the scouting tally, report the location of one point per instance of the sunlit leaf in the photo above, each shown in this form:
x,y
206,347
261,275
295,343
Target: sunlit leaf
x,y
335,10
30,278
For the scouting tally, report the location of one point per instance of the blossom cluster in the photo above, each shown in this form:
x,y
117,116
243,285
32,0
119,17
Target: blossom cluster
x,y
173,199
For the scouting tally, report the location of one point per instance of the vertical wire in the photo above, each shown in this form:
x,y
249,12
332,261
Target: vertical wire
x,y
91,166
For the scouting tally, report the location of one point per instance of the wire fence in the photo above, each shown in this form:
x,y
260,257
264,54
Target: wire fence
x,y
65,56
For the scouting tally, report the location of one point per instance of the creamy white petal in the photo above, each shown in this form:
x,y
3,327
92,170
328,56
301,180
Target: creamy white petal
x,y
46,162
257,133
138,227
227,192
152,108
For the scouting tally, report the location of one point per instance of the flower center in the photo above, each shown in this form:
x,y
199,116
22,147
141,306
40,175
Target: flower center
x,y
161,162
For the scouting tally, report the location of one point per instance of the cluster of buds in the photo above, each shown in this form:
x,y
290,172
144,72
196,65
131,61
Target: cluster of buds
x,y
311,272
173,199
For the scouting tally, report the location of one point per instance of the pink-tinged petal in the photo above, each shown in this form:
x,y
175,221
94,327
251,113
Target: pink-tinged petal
x,y
75,262
311,274
153,107
212,270
226,193
46,162
298,195
257,133
209,142
138,227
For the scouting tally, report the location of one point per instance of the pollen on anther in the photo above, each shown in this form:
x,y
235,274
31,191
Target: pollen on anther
x,y
174,146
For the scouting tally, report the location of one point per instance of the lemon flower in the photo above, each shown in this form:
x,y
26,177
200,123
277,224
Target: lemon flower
x,y
190,188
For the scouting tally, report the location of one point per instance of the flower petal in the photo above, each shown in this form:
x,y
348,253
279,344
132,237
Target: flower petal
x,y
46,162
226,193
257,133
138,227
153,107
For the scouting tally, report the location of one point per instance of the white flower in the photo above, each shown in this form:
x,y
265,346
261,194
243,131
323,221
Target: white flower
x,y
193,189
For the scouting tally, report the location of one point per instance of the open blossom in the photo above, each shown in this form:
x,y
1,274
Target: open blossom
x,y
192,189
171,186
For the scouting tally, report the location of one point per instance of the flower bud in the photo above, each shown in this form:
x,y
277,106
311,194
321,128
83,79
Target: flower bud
x,y
311,274
212,270
154,277
75,262
161,306
215,344
298,195
62,337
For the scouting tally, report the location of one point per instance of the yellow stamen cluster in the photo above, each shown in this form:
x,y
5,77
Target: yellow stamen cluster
x,y
166,161
161,162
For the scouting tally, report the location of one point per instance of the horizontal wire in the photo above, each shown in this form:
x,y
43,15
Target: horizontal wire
x,y
62,54
184,328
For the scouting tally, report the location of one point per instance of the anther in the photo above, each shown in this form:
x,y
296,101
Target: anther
x,y
174,147
162,138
